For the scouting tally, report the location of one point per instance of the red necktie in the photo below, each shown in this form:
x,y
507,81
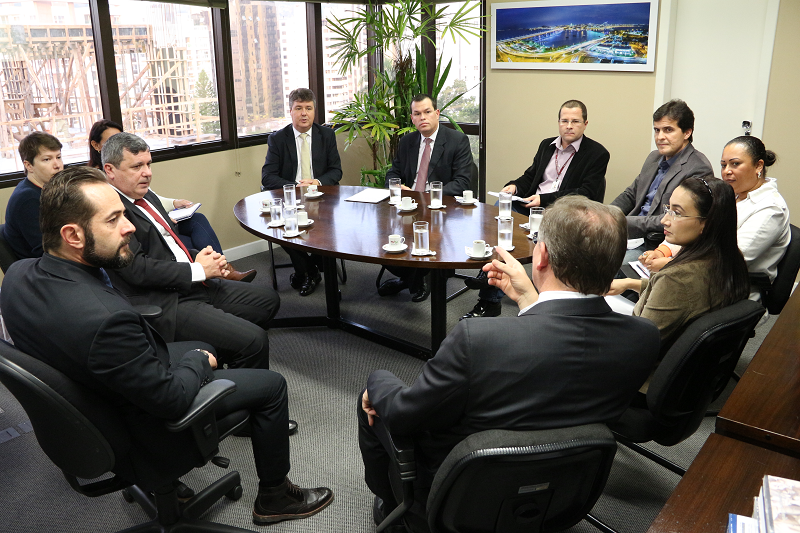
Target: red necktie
x,y
422,173
158,218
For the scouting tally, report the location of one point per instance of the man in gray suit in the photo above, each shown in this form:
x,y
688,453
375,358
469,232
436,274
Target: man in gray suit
x,y
562,366
674,160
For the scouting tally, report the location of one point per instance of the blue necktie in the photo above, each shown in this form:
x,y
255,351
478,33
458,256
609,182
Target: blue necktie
x,y
663,167
106,279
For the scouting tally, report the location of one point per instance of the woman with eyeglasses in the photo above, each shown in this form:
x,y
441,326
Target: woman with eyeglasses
x,y
762,215
708,272
195,232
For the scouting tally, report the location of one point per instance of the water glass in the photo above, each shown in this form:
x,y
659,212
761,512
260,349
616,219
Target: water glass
x,y
421,237
276,210
535,220
290,220
289,196
436,194
505,228
394,191
505,204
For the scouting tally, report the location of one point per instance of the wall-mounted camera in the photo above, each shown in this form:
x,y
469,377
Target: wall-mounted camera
x,y
747,127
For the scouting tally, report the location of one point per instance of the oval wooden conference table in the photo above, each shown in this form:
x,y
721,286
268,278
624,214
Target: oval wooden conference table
x,y
357,231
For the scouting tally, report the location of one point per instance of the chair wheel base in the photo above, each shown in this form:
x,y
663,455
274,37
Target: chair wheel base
x,y
235,493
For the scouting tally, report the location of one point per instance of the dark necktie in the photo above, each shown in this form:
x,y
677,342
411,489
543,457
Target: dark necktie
x,y
158,218
105,277
422,174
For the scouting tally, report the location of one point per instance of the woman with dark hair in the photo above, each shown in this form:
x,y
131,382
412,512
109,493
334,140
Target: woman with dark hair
x,y
762,219
708,272
196,231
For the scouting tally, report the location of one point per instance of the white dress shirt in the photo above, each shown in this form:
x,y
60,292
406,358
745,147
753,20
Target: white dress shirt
x,y
198,274
762,221
546,296
419,156
298,142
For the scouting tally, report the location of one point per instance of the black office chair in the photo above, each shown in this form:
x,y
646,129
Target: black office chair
x,y
503,481
693,373
775,295
7,254
85,438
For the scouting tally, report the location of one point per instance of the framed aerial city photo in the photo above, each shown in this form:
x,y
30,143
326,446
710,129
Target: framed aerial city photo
x,y
575,35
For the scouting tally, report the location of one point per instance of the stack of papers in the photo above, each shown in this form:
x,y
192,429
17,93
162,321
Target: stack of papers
x,y
182,214
775,510
369,195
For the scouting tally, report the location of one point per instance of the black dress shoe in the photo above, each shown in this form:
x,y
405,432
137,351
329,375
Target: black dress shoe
x,y
310,283
296,281
292,427
483,308
421,294
392,286
287,501
379,514
481,281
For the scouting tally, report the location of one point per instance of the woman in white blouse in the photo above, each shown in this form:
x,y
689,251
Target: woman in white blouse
x,y
762,215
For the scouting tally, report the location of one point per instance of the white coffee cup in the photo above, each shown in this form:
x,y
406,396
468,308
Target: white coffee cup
x,y
395,241
407,202
266,204
467,195
312,189
302,218
478,248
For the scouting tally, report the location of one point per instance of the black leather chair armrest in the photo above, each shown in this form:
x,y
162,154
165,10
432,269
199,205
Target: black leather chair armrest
x,y
203,403
759,280
403,455
148,311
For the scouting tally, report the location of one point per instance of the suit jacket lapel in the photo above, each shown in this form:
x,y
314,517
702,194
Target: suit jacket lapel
x,y
291,149
546,155
438,149
317,150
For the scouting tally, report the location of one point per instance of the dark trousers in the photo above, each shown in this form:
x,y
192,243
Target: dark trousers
x,y
263,394
231,316
373,441
196,232
303,262
412,276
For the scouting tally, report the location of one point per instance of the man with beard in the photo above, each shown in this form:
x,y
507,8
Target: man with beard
x,y
62,309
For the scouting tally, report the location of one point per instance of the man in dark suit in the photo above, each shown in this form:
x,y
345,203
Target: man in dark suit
x,y
674,160
429,154
62,309
286,164
571,163
197,302
558,364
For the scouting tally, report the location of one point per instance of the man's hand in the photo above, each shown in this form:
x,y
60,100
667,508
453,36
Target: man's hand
x,y
509,188
404,188
366,405
212,361
654,260
533,201
511,278
180,204
306,183
213,263
618,286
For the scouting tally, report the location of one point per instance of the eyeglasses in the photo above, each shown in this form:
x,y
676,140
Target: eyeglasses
x,y
565,122
675,215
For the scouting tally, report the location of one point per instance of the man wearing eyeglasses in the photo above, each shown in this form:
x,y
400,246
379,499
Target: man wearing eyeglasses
x,y
674,160
568,164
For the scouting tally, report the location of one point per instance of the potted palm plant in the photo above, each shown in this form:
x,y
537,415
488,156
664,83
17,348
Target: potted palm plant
x,y
380,115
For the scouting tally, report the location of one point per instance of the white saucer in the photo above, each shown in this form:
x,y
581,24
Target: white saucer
x,y
423,252
276,224
265,211
307,224
292,235
526,225
498,217
460,199
414,206
440,207
314,194
296,206
401,248
507,249
489,252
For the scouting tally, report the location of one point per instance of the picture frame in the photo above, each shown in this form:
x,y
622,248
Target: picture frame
x,y
605,35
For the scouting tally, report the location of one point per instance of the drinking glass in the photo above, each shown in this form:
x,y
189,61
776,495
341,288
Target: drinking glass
x,y
276,210
289,196
290,220
421,242
505,204
535,220
394,191
436,194
505,228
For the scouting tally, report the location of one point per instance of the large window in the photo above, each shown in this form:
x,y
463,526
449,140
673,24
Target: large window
x,y
465,70
186,78
48,77
164,55
270,59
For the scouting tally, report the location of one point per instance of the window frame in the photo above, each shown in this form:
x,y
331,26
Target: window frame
x,y
220,20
